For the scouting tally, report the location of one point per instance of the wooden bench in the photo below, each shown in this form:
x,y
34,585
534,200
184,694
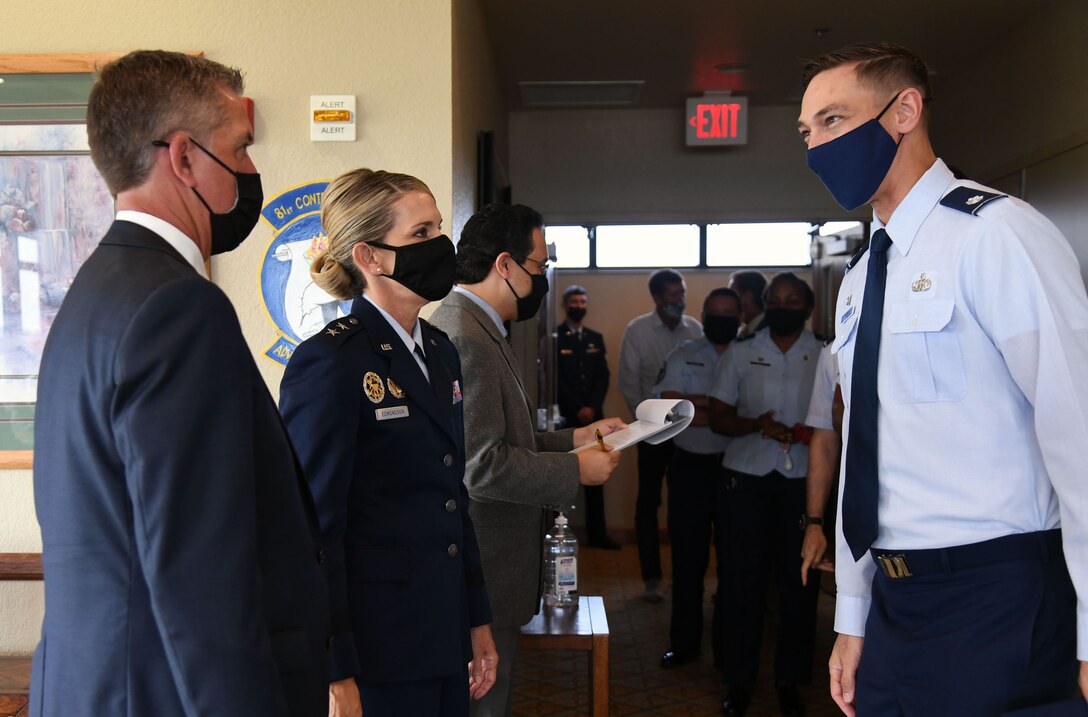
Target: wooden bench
x,y
15,671
583,629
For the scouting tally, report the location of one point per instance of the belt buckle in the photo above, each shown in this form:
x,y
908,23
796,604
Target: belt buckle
x,y
894,566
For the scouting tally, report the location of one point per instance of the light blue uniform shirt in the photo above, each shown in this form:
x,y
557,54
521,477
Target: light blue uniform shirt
x,y
690,370
821,407
756,377
982,381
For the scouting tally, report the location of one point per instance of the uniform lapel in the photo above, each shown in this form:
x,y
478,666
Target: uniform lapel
x,y
403,368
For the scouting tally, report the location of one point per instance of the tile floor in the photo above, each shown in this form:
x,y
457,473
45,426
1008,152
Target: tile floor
x,y
556,683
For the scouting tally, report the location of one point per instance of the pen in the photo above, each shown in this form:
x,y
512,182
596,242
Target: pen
x,y
600,440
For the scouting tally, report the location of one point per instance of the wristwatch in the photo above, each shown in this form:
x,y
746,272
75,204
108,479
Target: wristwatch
x,y
807,520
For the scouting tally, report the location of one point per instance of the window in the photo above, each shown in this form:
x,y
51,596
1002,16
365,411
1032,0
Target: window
x,y
766,244
571,246
648,245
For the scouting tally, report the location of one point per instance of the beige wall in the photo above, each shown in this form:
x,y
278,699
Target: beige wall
x,y
395,57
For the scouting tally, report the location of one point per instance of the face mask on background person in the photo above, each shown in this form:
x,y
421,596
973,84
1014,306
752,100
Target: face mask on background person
x,y
783,322
529,304
674,311
853,166
576,315
720,330
427,268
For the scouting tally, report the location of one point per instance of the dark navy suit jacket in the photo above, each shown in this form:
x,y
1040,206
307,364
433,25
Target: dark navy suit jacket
x,y
385,455
582,373
181,556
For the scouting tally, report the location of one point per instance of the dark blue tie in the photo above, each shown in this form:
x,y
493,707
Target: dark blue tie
x,y
859,496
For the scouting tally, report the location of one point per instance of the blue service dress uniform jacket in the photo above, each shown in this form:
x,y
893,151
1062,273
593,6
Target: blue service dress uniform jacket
x,y
582,373
385,456
180,544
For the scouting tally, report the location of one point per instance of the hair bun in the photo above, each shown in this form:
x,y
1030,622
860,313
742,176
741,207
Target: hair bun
x,y
331,276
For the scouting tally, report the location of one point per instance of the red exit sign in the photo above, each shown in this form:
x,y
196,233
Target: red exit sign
x,y
717,121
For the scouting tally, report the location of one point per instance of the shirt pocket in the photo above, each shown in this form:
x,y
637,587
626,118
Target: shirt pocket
x,y
928,363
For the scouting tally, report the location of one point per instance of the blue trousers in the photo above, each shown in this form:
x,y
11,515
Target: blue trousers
x,y
979,641
440,697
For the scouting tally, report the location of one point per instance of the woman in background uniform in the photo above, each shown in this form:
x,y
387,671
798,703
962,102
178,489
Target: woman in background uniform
x,y
373,406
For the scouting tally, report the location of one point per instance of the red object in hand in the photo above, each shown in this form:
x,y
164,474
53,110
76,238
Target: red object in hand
x,y
802,434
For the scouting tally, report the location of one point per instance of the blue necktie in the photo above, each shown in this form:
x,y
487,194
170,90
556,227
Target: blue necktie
x,y
859,497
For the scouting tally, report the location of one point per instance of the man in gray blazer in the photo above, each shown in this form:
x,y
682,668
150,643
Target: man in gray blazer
x,y
513,472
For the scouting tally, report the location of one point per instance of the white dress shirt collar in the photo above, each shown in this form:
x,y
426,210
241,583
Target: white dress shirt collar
x,y
410,340
488,309
170,234
916,206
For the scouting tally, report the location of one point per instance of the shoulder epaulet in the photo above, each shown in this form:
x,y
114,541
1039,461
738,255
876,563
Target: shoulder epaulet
x,y
337,330
856,256
969,200
827,340
434,328
821,338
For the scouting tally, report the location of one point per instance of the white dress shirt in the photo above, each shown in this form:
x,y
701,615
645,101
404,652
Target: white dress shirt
x,y
982,381
646,344
488,308
411,341
755,376
690,370
171,234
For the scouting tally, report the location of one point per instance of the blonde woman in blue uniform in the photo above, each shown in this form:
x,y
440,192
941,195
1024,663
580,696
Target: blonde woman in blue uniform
x,y
373,404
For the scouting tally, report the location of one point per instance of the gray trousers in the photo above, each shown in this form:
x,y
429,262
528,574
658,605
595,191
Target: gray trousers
x,y
496,703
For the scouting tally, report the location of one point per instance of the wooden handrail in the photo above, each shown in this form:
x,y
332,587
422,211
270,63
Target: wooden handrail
x,y
20,566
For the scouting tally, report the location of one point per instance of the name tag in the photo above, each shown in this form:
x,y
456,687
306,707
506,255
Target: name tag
x,y
384,414
566,352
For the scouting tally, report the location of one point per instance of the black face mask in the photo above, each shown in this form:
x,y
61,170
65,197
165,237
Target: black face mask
x,y
576,315
231,228
720,330
784,322
426,268
530,304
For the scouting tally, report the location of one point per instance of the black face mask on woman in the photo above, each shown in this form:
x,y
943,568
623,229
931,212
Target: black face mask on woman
x,y
783,322
529,304
720,330
427,268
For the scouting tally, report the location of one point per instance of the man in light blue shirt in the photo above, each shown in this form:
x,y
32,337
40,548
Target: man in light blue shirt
x,y
952,573
695,472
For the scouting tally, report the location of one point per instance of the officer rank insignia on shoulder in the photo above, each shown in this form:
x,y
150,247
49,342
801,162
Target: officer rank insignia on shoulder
x,y
375,389
340,327
969,200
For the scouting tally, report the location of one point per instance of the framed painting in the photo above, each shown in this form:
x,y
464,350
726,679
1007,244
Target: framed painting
x,y
54,207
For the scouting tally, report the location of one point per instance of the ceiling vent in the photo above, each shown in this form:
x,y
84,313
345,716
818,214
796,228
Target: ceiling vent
x,y
581,93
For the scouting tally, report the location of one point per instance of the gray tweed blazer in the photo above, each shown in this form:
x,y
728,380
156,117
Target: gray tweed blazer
x,y
513,471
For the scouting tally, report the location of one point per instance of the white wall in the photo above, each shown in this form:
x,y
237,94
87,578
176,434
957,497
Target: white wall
x,y
394,56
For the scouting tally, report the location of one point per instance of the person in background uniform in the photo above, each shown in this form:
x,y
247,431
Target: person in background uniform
x,y
825,419
180,544
749,286
759,397
513,471
647,341
374,403
962,342
582,373
695,474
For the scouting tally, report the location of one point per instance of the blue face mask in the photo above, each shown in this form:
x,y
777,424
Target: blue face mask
x,y
853,166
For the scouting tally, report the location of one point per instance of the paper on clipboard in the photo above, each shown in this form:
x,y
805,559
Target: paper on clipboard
x,y
657,420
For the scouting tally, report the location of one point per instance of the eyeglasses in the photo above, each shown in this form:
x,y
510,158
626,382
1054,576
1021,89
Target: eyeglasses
x,y
542,265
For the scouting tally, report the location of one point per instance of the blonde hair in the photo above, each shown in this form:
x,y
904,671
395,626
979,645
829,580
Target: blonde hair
x,y
357,207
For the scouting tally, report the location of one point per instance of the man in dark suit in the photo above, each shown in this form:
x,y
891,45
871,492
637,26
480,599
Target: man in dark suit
x,y
582,372
181,558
